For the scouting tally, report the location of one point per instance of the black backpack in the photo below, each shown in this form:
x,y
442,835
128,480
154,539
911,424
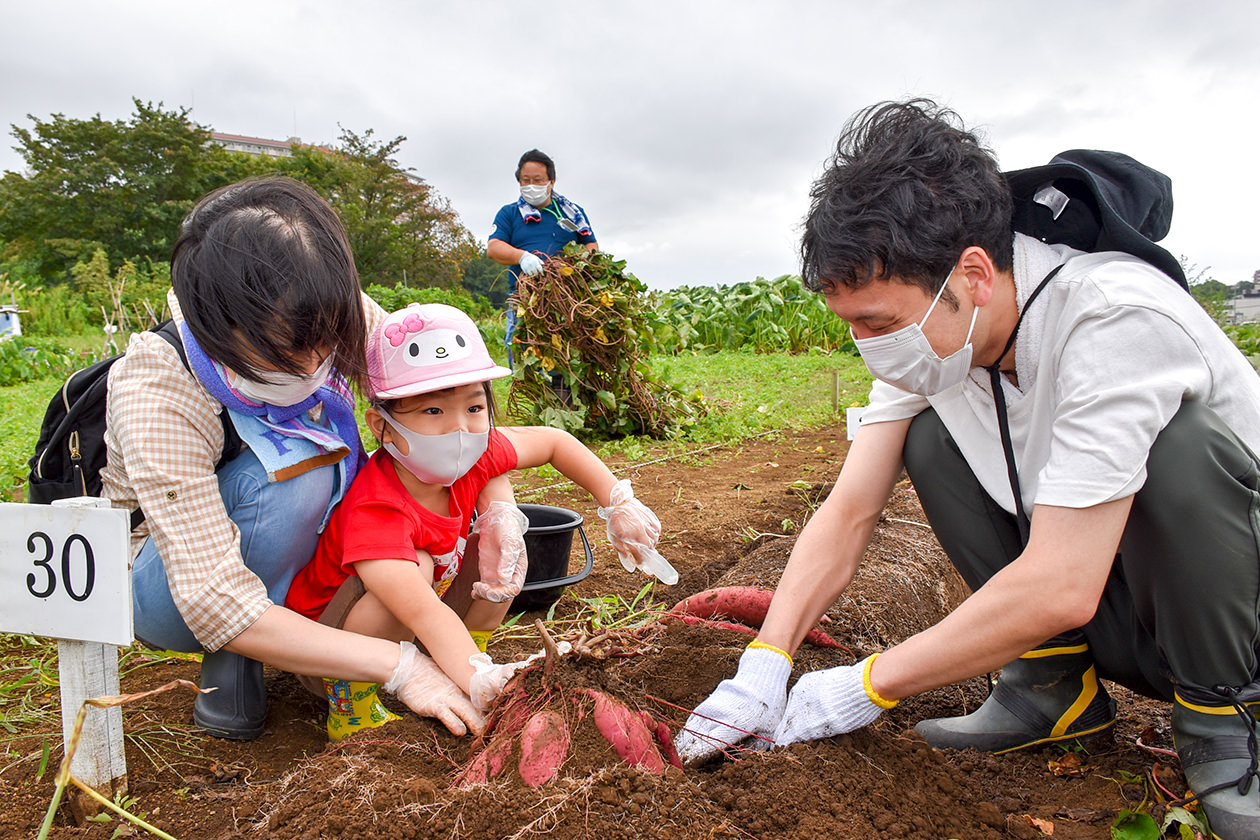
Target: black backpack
x,y
70,452
1094,200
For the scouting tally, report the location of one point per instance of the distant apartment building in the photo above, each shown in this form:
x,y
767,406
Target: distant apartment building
x,y
255,145
281,148
1245,308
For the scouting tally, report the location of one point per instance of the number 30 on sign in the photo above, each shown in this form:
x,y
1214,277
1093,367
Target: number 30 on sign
x,y
64,573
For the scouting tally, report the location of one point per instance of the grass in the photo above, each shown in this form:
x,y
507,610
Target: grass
x,y
21,411
749,393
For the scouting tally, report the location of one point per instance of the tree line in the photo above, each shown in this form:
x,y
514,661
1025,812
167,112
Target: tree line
x,y
105,198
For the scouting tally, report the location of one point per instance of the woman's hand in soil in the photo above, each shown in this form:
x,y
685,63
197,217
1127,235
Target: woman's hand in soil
x,y
501,560
831,702
745,708
634,530
427,691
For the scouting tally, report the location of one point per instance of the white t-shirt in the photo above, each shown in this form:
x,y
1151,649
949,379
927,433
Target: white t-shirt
x,y
1104,358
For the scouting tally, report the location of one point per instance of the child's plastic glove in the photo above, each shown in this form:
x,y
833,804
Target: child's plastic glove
x,y
427,691
633,530
501,558
488,678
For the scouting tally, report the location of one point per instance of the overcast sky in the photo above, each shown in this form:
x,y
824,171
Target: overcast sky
x,y
690,131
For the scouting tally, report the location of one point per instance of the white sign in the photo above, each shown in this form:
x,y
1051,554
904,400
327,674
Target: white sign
x,y
65,573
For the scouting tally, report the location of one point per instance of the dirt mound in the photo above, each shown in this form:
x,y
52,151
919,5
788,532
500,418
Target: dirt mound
x,y
730,519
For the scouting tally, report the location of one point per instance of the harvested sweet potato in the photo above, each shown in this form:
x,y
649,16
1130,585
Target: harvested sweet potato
x,y
544,747
746,604
486,764
664,739
627,733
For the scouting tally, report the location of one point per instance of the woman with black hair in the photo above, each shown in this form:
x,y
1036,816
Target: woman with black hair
x,y
267,301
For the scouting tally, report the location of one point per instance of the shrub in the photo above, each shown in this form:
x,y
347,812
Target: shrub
x,y
391,300
764,316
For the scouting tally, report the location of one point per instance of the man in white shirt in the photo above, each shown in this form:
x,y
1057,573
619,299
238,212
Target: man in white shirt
x,y
1103,509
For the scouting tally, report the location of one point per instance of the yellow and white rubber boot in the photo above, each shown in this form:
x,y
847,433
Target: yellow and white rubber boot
x,y
481,638
354,706
1051,693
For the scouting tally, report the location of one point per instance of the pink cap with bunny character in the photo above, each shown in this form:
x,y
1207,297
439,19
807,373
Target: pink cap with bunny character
x,y
424,348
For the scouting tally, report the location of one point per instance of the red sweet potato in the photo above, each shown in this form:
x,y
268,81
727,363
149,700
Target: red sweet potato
x,y
486,764
747,604
627,733
742,603
544,747
664,739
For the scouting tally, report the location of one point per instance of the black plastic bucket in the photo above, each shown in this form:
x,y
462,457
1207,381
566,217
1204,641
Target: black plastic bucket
x,y
548,544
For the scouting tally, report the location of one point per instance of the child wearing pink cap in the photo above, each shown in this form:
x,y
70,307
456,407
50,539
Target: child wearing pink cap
x,y
399,558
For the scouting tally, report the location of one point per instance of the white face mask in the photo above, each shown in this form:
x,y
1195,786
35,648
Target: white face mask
x,y
536,194
436,459
286,388
905,358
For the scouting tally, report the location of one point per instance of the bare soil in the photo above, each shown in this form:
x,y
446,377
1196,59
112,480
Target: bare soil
x,y
729,515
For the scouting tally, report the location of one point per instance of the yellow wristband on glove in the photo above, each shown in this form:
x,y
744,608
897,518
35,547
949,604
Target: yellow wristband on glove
x,y
871,693
758,644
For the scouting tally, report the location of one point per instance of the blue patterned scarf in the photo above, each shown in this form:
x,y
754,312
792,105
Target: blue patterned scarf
x,y
571,211
284,438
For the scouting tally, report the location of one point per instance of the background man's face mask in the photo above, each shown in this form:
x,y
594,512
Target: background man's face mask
x,y
436,459
285,388
536,194
905,358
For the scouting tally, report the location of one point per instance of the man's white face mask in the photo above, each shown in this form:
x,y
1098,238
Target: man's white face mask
x,y
536,194
905,358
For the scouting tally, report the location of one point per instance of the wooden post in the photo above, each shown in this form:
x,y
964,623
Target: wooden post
x,y
90,669
835,391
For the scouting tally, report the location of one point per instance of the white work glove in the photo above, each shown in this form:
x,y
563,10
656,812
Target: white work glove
x,y
501,560
826,703
633,530
427,691
529,263
748,704
488,678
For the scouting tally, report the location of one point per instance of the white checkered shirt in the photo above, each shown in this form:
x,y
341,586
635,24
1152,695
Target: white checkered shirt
x,y
164,437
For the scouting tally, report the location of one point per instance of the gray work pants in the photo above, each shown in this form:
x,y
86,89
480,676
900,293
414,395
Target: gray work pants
x,y
1181,607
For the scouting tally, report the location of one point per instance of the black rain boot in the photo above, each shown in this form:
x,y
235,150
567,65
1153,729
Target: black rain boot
x,y
1049,694
1220,753
238,709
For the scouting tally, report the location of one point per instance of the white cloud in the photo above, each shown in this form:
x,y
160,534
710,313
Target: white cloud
x,y
689,131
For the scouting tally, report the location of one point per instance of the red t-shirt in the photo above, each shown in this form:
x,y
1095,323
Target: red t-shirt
x,y
379,520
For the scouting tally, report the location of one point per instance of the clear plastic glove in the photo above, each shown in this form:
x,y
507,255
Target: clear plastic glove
x,y
489,678
747,705
826,703
529,263
501,559
633,530
427,691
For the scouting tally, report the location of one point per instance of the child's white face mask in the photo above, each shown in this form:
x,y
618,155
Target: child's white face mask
x,y
436,459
